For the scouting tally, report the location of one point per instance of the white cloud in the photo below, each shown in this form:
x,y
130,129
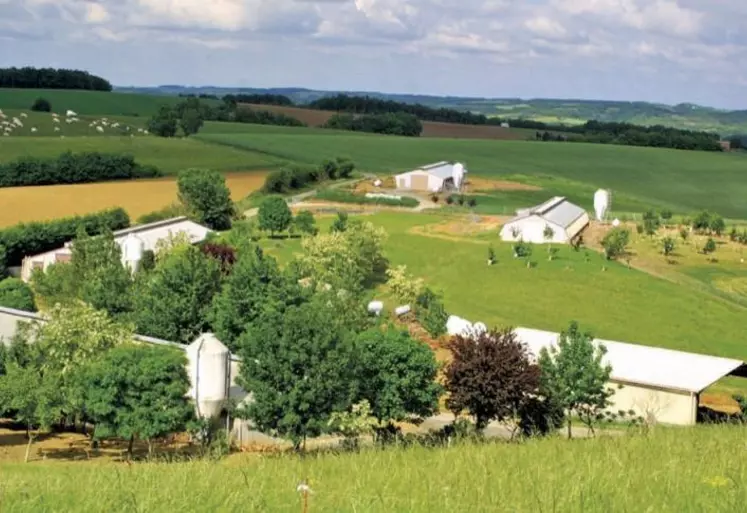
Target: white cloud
x,y
546,27
96,13
221,14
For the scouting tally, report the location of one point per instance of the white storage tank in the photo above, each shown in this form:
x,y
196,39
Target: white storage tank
x,y
602,201
132,251
208,374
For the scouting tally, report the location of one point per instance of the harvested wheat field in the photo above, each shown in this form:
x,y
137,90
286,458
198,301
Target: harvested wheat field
x,y
138,197
475,184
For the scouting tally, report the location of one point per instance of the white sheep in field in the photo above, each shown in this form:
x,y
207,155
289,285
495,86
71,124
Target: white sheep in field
x,y
140,130
70,113
24,115
145,132
68,121
33,129
56,129
54,114
100,129
75,120
17,121
56,120
115,125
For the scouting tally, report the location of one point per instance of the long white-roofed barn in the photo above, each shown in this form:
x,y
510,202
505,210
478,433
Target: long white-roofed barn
x,y
440,176
656,383
565,219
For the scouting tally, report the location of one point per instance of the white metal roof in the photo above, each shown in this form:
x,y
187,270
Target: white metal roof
x,y
557,210
443,170
645,365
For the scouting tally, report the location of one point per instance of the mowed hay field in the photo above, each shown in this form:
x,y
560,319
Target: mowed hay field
x,y
138,197
170,155
683,181
316,118
669,471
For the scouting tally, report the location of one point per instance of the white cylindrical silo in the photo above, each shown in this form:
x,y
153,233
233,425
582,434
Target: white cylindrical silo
x,y
208,374
601,203
457,173
132,251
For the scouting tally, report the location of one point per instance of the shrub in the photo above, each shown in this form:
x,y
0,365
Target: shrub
x,y
450,199
339,196
74,168
431,313
472,202
522,249
614,242
41,105
37,237
14,293
168,212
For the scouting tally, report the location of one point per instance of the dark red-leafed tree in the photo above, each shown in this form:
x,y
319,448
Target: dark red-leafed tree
x,y
223,253
491,376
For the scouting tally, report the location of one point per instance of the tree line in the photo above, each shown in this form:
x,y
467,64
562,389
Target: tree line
x,y
297,177
51,78
71,167
391,123
189,116
261,99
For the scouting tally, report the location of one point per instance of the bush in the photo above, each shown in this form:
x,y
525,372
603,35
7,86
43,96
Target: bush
x,y
41,105
14,293
37,237
614,242
169,212
431,313
74,168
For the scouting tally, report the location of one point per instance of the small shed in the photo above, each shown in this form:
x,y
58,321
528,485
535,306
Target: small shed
x,y
565,219
656,383
431,178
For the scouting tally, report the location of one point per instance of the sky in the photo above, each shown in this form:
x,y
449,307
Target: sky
x,y
667,51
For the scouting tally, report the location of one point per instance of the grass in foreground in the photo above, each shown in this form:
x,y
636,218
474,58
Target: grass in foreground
x,y
137,197
671,470
683,181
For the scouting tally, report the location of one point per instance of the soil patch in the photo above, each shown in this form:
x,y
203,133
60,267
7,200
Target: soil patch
x,y
474,184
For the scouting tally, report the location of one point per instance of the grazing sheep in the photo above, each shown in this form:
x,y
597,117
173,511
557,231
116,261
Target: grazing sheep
x,y
56,120
68,121
33,129
70,113
140,130
100,129
145,132
24,115
56,129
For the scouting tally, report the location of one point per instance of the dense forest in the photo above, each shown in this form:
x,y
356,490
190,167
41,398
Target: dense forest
x,y
52,78
263,99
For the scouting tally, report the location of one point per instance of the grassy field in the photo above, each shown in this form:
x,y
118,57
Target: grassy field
x,y
86,102
138,197
671,470
681,180
170,155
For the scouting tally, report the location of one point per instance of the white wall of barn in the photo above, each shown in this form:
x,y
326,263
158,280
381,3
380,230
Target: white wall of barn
x,y
667,406
532,229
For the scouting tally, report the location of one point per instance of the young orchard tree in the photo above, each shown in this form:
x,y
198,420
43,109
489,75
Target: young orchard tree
x,y
615,242
138,392
651,222
204,194
306,223
666,215
274,215
717,224
173,301
340,224
491,255
490,376
397,375
353,423
710,247
299,366
684,234
668,246
431,314
548,233
574,376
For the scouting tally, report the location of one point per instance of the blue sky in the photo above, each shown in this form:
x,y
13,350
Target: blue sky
x,y
666,51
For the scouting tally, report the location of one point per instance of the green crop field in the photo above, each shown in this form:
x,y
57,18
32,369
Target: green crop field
x,y
170,155
681,180
671,470
86,102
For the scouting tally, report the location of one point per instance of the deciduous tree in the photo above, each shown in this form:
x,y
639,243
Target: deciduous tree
x,y
138,392
164,122
174,299
404,286
490,376
274,215
615,242
396,374
575,377
205,195
306,223
14,293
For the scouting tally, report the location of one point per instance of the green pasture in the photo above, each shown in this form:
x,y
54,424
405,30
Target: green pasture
x,y
45,125
98,103
683,181
170,155
670,471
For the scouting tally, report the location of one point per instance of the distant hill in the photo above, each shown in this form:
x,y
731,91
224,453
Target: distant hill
x,y
684,115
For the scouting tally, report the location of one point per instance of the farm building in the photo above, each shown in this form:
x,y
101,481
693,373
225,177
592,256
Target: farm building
x,y
146,236
656,383
565,219
433,177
